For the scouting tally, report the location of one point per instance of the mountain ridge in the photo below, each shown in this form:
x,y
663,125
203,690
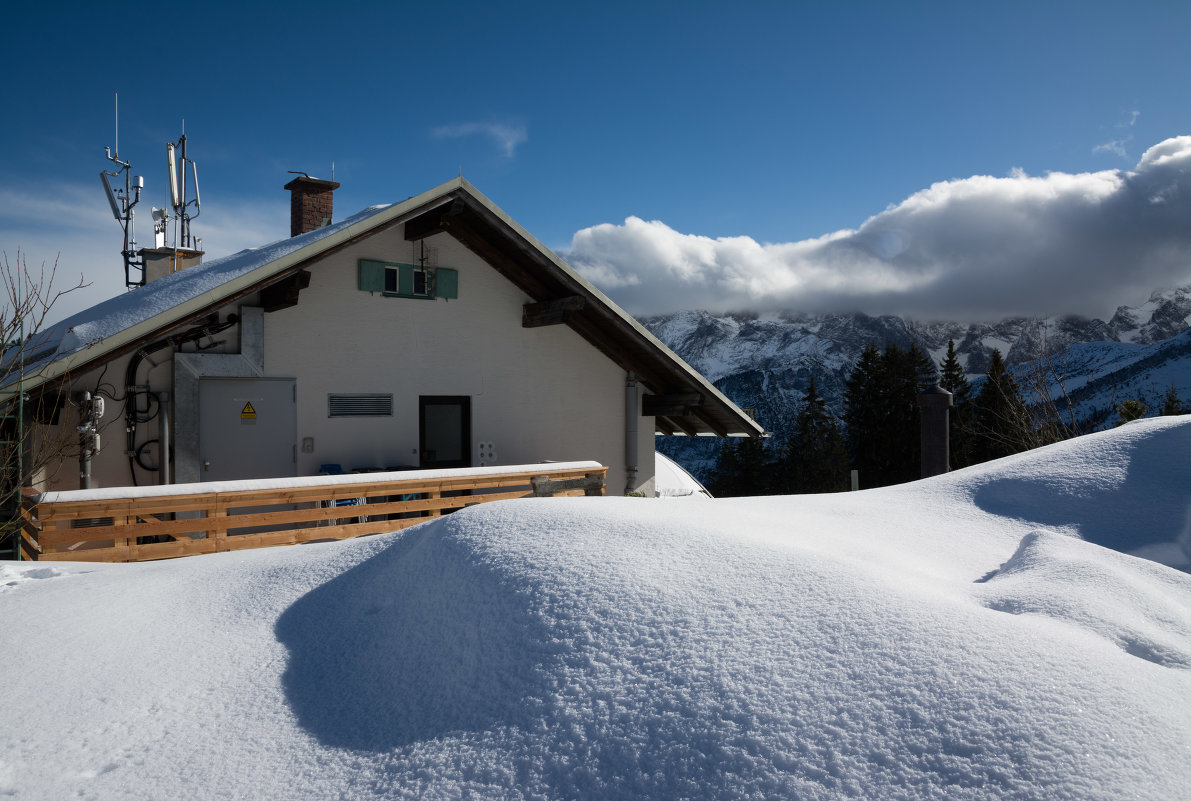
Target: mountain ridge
x,y
765,362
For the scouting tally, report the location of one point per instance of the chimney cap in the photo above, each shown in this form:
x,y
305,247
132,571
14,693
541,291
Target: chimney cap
x,y
315,184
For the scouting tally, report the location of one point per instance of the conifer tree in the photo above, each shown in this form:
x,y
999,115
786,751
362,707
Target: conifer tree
x,y
1171,404
1003,425
1131,410
882,413
814,458
906,373
925,371
863,414
959,420
741,469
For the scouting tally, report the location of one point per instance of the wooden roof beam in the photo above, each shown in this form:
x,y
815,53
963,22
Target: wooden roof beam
x,y
439,218
683,426
669,405
284,293
551,312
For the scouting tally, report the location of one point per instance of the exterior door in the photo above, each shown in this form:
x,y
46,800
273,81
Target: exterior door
x,y
247,428
444,430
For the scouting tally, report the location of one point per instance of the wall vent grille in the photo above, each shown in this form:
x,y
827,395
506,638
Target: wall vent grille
x,y
359,404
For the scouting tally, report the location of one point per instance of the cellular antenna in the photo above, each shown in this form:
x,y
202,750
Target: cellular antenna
x,y
185,209
122,202
178,159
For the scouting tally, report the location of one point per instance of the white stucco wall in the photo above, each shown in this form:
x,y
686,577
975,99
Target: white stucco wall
x,y
538,393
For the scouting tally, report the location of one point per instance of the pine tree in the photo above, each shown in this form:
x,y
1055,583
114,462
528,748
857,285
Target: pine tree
x,y
925,371
953,379
1131,410
742,469
863,414
814,458
1002,423
882,414
906,373
1171,404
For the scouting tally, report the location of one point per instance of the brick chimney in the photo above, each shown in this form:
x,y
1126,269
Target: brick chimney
x,y
311,202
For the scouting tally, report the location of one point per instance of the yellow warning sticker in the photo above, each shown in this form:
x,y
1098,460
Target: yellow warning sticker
x,y
248,413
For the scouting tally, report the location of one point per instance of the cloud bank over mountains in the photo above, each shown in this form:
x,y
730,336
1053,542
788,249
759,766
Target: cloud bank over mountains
x,y
973,248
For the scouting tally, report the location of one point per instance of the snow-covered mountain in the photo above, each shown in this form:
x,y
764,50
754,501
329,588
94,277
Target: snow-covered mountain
x,y
766,362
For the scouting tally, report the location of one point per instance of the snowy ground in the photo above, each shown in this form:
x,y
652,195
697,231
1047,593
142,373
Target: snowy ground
x,y
949,639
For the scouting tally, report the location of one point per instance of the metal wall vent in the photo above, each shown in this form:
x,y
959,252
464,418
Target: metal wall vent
x,y
360,404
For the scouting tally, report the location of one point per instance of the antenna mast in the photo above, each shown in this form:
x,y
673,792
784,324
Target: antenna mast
x,y
122,202
178,159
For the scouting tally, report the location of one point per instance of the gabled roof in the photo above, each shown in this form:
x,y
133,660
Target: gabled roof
x,y
683,400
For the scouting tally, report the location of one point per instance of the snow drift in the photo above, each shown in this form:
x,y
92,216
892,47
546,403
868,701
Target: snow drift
x,y
954,638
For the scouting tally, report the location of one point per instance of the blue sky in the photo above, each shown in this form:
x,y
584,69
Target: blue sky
x,y
695,133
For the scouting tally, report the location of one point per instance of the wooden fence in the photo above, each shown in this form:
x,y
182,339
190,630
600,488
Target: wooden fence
x,y
126,525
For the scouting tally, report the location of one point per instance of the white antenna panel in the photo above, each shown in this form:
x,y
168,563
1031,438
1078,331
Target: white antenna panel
x,y
107,187
169,152
194,172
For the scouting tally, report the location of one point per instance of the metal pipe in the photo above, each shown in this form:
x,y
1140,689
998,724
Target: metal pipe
x,y
631,414
85,443
163,437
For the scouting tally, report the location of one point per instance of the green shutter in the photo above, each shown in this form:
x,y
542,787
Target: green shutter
x,y
405,279
446,283
372,275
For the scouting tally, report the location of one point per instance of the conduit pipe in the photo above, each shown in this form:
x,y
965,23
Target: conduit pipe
x,y
631,415
163,437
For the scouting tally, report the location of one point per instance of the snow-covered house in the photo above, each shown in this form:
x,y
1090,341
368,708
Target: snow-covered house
x,y
435,332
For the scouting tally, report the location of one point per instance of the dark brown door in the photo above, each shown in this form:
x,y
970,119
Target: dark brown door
x,y
444,430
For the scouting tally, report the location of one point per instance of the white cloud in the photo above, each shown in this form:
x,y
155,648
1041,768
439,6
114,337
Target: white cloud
x,y
1116,146
507,136
974,248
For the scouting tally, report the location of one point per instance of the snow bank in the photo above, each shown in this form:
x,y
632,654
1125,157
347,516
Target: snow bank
x,y
929,641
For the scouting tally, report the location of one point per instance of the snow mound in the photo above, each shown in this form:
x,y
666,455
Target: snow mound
x,y
1128,489
1141,609
935,640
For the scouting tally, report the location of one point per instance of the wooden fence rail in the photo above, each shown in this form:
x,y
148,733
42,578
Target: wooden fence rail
x,y
127,525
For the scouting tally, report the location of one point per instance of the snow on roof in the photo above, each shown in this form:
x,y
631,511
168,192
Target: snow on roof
x,y
139,305
947,639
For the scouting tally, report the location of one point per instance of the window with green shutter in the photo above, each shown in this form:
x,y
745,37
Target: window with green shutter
x,y
394,279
